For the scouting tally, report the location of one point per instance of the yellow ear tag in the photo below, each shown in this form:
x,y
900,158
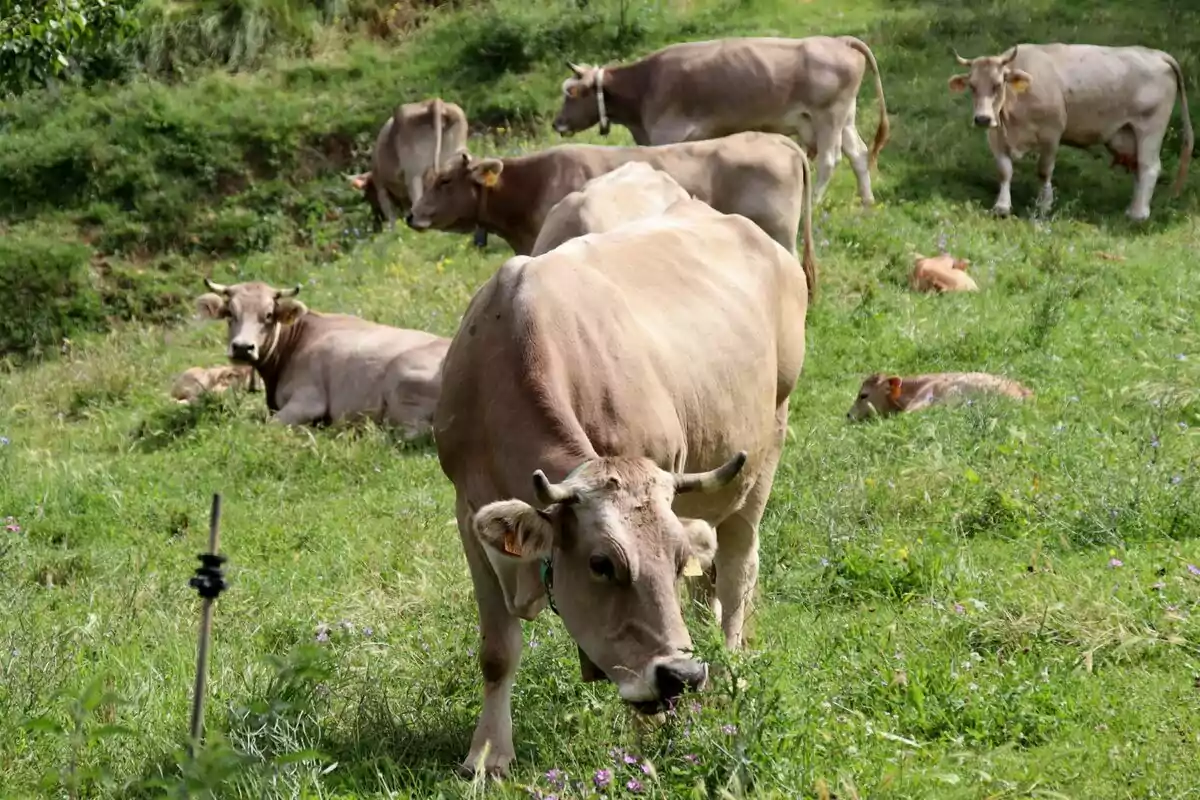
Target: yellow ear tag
x,y
490,179
691,568
1020,85
510,543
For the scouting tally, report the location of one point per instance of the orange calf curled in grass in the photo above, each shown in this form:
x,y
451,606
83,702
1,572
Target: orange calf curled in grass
x,y
943,273
884,395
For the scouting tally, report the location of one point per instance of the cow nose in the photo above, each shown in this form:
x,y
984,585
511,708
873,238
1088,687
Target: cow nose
x,y
408,220
675,676
243,350
983,120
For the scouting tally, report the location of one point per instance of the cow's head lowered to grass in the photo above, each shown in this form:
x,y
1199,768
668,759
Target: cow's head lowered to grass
x,y
255,313
613,550
990,79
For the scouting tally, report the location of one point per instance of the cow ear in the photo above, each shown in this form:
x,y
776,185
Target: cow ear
x,y
701,542
894,384
961,264
212,306
487,172
514,529
1019,80
959,83
288,310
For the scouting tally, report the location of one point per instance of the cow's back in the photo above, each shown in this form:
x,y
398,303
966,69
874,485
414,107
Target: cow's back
x,y
676,334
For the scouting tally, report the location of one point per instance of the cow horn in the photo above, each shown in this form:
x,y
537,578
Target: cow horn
x,y
219,288
1011,56
550,493
713,479
966,62
295,290
576,69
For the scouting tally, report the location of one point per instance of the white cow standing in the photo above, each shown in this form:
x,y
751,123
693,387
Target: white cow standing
x,y
1038,96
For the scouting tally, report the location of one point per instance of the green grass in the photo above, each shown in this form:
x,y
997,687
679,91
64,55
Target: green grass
x,y
940,612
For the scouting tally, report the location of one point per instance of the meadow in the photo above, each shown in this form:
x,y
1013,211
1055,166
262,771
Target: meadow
x,y
989,600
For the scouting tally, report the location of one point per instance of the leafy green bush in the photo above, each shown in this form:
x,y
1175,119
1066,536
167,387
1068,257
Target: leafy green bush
x,y
47,290
43,40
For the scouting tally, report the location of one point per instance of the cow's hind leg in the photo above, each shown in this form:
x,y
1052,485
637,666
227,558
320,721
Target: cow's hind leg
x,y
829,150
1004,168
737,544
856,151
499,655
1149,165
1046,156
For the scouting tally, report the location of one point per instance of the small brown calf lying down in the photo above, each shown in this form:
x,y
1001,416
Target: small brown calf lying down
x,y
943,273
198,380
886,395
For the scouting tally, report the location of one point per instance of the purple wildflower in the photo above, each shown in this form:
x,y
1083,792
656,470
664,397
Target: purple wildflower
x,y
958,608
695,707
1183,426
1115,562
368,631
692,758
629,759
633,785
1176,480
646,768
533,643
1154,441
1192,568
346,625
602,778
729,730
4,441
556,778
323,637
10,525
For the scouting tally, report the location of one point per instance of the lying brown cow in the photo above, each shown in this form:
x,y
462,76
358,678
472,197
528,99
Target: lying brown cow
x,y
1038,96
631,191
416,138
762,176
886,395
329,367
703,90
943,273
196,381
612,415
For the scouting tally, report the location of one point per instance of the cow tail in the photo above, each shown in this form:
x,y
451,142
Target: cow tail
x,y
438,111
884,128
808,259
1189,140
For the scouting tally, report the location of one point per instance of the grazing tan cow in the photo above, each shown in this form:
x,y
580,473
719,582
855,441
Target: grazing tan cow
x,y
762,176
196,381
942,273
886,395
612,415
416,138
1037,97
703,90
329,367
631,191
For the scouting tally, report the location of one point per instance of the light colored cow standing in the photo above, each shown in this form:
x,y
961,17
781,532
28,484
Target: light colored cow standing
x,y
613,411
416,138
1037,97
328,367
807,88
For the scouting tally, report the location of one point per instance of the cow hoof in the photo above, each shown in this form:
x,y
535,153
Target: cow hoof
x,y
495,766
1138,216
1002,211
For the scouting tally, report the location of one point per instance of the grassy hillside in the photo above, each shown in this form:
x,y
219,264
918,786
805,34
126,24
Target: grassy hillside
x,y
991,600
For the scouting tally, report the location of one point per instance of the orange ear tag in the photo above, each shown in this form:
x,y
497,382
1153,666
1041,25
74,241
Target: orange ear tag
x,y
510,543
491,179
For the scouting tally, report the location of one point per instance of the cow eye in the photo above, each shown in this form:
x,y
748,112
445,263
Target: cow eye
x,y
269,318
862,396
602,567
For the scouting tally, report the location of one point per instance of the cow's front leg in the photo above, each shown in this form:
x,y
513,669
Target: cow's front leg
x,y
737,575
1046,172
385,205
499,655
1004,168
301,408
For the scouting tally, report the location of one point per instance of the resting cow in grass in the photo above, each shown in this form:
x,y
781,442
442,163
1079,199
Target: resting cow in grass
x,y
884,395
328,367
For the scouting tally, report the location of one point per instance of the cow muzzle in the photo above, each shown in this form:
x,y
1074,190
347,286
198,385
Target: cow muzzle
x,y
664,682
246,352
414,223
985,121
563,128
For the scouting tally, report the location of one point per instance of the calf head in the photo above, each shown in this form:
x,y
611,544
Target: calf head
x,y
454,195
879,394
614,550
581,107
255,313
989,80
